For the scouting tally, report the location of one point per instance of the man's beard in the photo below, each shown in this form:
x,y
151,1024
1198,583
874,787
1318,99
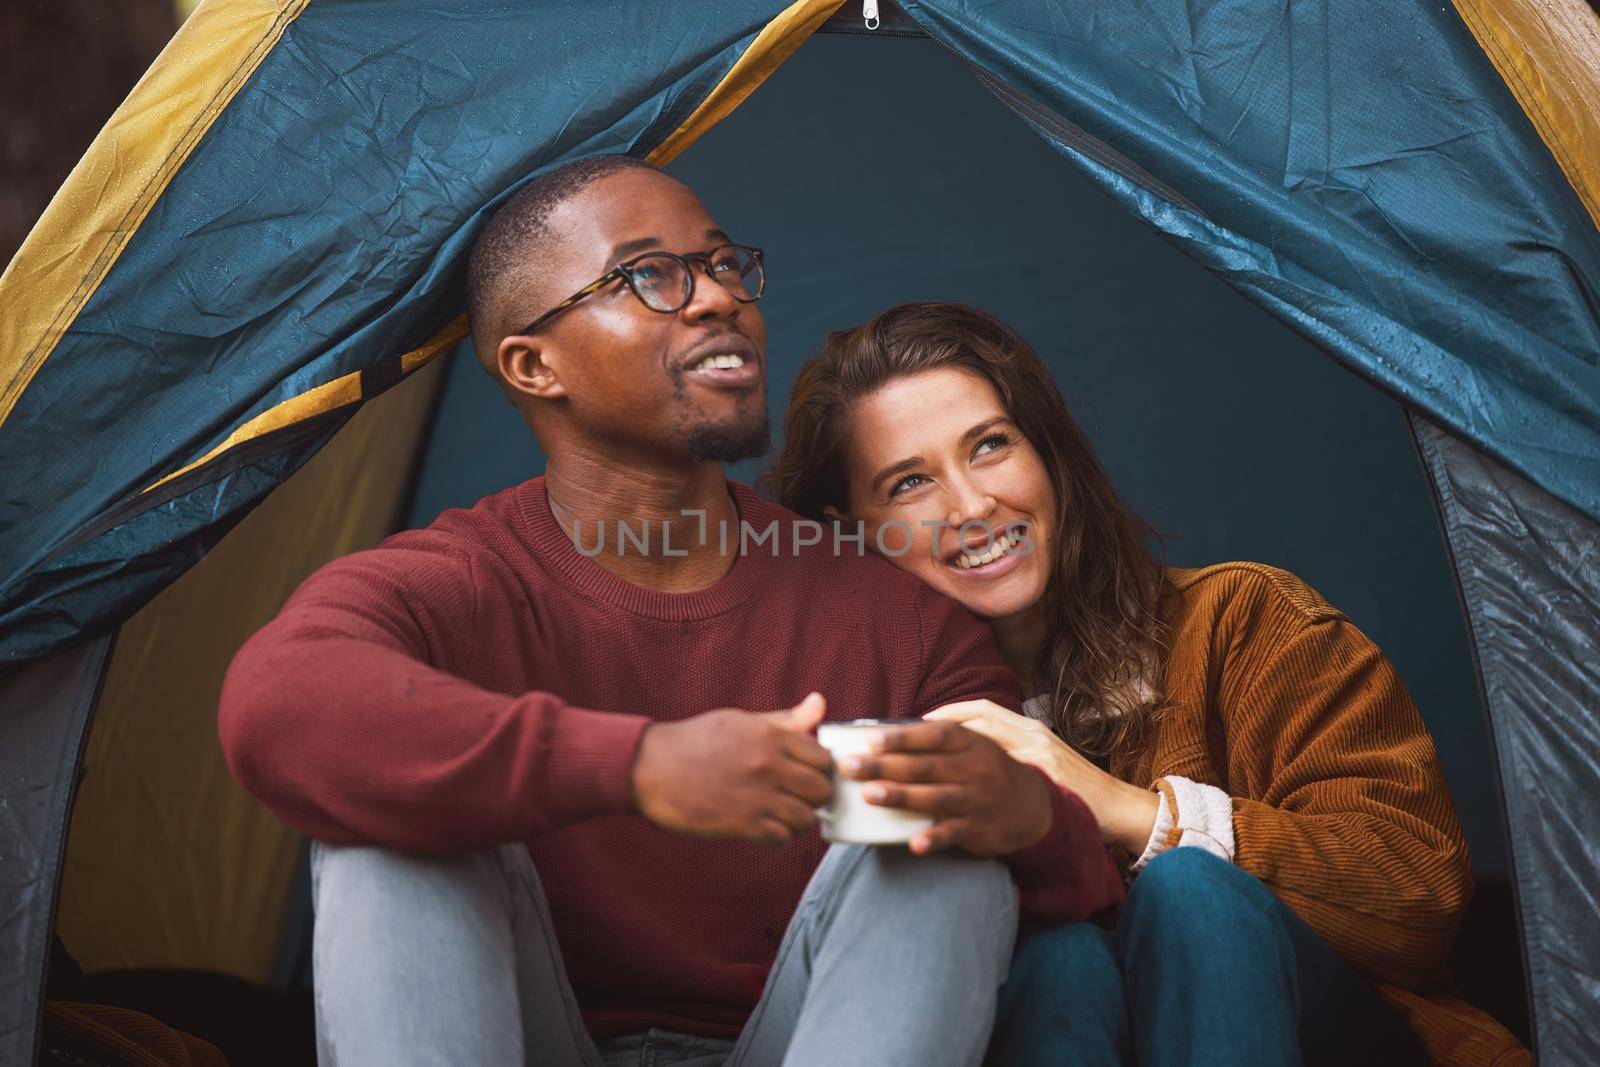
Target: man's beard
x,y
731,441
745,436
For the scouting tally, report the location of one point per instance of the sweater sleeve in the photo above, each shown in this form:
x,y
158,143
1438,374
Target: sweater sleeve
x,y
1339,802
1067,875
348,717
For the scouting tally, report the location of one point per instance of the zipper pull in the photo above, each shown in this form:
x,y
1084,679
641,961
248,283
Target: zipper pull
x,y
869,13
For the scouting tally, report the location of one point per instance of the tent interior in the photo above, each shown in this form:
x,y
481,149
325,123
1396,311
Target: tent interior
x,y
872,171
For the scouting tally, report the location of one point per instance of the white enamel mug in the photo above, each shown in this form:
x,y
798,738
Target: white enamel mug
x,y
848,818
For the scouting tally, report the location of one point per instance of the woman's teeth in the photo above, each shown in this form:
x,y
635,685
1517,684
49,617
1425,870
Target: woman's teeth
x,y
1001,545
715,362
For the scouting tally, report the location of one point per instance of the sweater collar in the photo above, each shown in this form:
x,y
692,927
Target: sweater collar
x,y
556,551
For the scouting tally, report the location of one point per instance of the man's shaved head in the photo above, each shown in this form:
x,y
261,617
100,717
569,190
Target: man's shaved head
x,y
506,261
612,377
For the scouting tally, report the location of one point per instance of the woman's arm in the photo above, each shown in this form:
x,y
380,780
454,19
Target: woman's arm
x,y
1339,802
1124,813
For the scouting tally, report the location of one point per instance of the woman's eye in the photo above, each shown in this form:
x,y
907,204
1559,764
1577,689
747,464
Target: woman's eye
x,y
910,481
992,442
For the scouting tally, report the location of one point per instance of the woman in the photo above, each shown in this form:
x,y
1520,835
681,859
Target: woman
x,y
1247,752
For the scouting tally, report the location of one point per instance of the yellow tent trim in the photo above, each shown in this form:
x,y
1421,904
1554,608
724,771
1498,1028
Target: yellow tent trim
x,y
1548,53
774,44
90,220
341,392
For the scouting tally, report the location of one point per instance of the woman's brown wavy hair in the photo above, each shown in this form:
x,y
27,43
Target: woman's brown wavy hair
x,y
1100,660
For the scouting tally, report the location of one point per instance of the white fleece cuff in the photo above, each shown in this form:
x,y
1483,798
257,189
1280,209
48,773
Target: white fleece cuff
x,y
1203,819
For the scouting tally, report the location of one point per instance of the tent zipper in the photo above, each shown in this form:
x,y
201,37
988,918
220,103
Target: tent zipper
x,y
869,13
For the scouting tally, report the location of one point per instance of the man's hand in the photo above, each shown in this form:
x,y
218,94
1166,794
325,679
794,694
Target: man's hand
x,y
984,802
734,773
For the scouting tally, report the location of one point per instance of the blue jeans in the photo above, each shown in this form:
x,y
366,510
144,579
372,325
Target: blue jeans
x,y
1206,967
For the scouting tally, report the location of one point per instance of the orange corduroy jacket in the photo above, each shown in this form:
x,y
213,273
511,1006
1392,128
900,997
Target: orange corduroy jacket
x,y
1339,804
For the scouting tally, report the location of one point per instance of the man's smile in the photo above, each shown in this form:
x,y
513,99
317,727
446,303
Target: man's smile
x,y
725,361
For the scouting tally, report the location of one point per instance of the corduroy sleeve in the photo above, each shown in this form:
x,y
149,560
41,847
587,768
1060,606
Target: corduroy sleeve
x,y
1339,802
1067,875
347,716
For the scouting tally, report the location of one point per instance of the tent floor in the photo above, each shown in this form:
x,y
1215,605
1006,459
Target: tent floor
x,y
252,1025
255,1025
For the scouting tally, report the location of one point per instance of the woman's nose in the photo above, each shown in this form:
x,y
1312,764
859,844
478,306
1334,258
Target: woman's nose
x,y
971,504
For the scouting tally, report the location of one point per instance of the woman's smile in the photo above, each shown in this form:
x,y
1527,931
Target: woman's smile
x,y
994,555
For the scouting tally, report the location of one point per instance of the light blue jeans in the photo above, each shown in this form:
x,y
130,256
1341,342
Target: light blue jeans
x,y
889,959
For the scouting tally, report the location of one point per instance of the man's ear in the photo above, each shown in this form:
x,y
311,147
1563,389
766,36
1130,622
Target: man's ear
x,y
524,367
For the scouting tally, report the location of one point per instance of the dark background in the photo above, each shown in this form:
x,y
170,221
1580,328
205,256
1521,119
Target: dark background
x,y
877,170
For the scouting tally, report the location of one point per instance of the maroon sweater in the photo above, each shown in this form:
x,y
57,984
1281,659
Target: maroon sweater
x,y
481,682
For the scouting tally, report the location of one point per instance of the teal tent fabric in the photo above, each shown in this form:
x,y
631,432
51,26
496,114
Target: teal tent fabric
x,y
320,228
1357,168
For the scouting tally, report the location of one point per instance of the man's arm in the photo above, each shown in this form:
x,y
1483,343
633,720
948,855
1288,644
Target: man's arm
x,y
345,717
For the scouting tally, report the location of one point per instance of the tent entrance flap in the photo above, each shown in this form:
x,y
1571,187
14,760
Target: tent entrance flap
x,y
1525,563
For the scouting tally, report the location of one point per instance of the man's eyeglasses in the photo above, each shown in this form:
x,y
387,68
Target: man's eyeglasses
x,y
664,281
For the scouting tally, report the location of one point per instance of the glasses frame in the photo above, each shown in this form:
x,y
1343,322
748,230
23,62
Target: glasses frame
x,y
624,272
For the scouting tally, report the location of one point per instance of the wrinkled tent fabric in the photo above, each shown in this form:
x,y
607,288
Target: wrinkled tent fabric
x,y
1528,567
370,142
1361,171
272,230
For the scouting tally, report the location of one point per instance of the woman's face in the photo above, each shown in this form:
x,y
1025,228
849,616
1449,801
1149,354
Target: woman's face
x,y
931,452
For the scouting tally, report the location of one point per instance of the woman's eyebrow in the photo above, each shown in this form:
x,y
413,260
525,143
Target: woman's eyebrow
x,y
983,428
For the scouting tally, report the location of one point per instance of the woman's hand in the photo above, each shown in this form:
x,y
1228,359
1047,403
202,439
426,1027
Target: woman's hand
x,y
981,800
1126,813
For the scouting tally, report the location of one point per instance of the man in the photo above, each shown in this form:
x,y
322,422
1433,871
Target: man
x,y
533,740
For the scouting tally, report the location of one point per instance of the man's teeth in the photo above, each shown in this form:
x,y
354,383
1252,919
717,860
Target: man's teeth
x,y
718,362
1002,544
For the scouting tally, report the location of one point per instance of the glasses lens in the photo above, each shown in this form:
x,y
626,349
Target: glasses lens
x,y
661,282
739,268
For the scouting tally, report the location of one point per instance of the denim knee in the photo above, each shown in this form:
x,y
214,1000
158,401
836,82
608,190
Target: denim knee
x,y
1189,894
1063,1001
941,879
1074,959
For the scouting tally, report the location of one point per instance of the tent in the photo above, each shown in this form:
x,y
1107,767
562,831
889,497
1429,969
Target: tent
x,y
248,280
